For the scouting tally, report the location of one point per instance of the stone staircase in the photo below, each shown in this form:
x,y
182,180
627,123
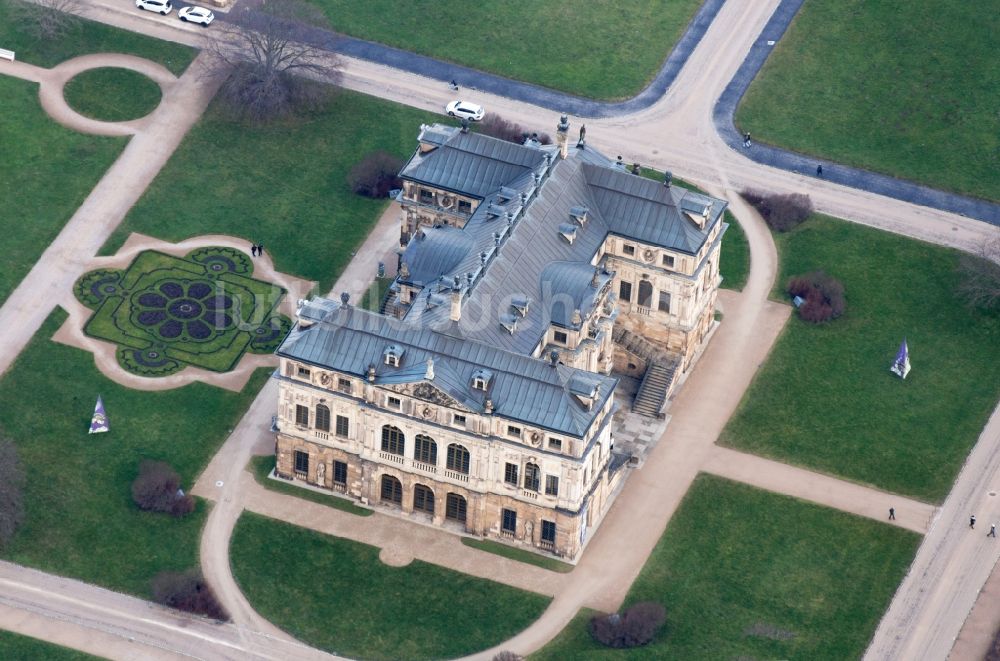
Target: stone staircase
x,y
661,368
655,388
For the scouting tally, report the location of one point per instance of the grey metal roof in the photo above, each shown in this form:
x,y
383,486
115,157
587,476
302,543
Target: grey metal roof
x,y
572,287
473,164
522,388
647,211
435,251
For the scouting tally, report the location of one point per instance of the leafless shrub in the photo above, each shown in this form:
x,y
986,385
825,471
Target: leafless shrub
x,y
11,495
781,212
980,275
271,60
823,296
48,20
496,126
376,174
157,489
635,627
507,655
187,591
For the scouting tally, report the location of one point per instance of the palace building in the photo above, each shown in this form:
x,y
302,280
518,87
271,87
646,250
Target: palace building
x,y
531,277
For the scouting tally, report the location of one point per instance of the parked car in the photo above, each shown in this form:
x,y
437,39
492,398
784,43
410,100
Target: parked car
x,y
466,110
159,6
198,15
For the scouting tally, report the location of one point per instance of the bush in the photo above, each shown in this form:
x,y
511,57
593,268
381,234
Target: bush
x,y
376,175
635,627
823,296
157,489
11,495
781,212
187,591
496,126
507,655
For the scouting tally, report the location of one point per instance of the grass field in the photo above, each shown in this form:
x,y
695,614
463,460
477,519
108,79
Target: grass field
x,y
337,595
80,520
518,554
14,647
826,400
284,184
906,89
747,574
110,94
734,258
88,37
261,467
33,209
600,49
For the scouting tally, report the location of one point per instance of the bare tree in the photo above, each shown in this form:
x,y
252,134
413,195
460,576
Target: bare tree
x,y
272,57
48,20
980,273
11,496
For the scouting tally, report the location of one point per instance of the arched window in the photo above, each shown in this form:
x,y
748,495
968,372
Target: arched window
x,y
423,499
322,417
458,459
393,439
392,490
532,477
455,508
425,449
645,294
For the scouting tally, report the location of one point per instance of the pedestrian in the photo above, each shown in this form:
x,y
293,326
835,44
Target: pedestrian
x,y
260,249
892,513
454,85
253,249
993,530
972,521
819,170
746,139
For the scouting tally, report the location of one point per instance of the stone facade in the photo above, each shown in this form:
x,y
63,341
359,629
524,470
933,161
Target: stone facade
x,y
557,491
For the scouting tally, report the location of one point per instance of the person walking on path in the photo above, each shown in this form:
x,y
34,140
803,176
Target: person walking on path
x,y
819,170
892,513
746,139
253,249
972,521
260,249
993,531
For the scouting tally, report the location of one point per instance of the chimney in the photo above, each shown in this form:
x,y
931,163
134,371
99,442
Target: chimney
x,y
488,407
456,301
344,298
562,136
371,373
554,358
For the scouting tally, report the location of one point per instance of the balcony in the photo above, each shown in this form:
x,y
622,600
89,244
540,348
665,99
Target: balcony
x,y
426,468
528,493
340,487
547,545
455,475
322,435
394,458
507,534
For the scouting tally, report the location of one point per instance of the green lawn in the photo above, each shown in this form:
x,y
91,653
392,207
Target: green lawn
x,y
15,647
283,184
33,207
372,299
337,595
907,89
734,258
81,521
748,574
262,466
110,94
519,554
825,398
88,37
598,48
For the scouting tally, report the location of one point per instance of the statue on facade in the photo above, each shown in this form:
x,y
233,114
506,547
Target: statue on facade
x,y
321,474
528,529
582,142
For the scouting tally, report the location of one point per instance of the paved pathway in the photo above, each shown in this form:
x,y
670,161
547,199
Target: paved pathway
x,y
154,140
114,625
819,488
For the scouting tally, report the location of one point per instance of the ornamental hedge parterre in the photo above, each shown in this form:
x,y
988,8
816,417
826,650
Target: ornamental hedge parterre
x,y
166,312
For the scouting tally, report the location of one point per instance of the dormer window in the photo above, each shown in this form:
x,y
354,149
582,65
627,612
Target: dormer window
x,y
579,214
568,232
520,304
393,355
481,379
509,322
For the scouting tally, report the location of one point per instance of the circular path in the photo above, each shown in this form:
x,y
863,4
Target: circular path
x,y
53,81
